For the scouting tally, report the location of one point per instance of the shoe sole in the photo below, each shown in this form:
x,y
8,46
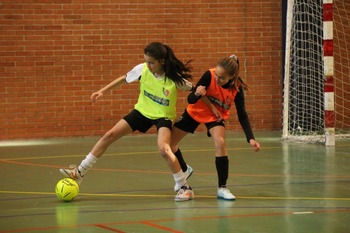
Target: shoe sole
x,y
226,199
182,199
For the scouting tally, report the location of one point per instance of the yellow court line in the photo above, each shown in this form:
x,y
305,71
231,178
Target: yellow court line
x,y
80,155
126,153
84,194
299,198
138,153
164,195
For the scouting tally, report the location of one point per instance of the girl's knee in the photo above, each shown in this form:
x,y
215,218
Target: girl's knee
x,y
164,150
220,142
109,136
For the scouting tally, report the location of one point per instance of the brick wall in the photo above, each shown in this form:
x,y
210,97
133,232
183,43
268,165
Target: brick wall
x,y
341,43
55,53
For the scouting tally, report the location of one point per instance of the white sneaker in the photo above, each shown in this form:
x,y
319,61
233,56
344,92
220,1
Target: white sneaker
x,y
224,193
188,173
185,194
73,173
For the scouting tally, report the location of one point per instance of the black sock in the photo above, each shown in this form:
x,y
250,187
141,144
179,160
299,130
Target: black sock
x,y
222,170
181,160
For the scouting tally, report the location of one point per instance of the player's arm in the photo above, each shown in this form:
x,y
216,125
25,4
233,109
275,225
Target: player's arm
x,y
244,119
131,76
185,86
198,92
98,94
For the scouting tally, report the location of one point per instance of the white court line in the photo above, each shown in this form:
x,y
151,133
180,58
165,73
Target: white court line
x,y
305,212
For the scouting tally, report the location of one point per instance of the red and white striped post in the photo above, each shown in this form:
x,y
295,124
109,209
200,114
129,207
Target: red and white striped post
x,y
329,117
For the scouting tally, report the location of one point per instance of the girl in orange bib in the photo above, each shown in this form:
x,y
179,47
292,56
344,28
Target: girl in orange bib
x,y
210,104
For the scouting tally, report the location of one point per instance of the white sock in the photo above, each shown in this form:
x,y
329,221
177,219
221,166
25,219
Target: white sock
x,y
87,163
180,178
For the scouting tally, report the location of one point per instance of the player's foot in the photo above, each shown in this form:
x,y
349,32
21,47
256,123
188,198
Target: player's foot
x,y
184,194
188,173
224,193
73,173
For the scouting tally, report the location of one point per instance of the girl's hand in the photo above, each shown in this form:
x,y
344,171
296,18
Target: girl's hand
x,y
255,144
96,95
216,112
200,91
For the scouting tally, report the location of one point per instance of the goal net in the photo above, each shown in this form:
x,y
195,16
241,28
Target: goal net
x,y
306,100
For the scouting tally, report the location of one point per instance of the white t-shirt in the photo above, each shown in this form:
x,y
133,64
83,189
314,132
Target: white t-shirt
x,y
134,74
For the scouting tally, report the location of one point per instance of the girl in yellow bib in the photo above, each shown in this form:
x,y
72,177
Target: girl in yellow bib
x,y
160,77
210,104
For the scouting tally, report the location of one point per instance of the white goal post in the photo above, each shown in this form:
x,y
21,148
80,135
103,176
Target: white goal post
x,y
316,105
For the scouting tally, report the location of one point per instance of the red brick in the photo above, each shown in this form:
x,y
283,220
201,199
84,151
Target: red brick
x,y
63,50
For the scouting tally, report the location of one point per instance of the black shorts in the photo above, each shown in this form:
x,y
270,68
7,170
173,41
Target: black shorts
x,y
188,124
139,122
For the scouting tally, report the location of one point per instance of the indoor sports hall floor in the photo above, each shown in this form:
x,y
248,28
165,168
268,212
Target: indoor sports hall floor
x,y
284,188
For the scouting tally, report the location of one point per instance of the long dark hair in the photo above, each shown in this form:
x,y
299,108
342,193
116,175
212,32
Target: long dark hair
x,y
231,66
173,67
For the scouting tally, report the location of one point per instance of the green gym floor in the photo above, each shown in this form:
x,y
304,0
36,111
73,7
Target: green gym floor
x,y
285,188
